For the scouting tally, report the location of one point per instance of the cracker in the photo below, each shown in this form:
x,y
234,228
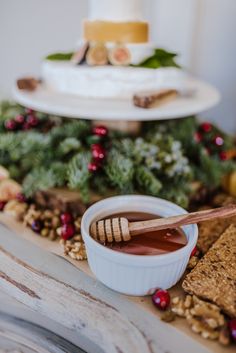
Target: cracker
x,y
210,231
214,277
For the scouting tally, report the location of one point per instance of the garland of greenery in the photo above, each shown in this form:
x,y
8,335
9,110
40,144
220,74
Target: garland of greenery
x,y
163,162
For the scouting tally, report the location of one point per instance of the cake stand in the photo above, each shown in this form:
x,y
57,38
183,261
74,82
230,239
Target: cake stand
x,y
204,97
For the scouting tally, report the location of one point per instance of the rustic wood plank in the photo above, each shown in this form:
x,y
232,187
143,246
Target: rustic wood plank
x,y
10,307
21,335
54,288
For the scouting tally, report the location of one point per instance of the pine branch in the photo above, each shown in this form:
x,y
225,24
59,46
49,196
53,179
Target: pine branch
x,y
38,179
147,182
70,144
44,178
120,171
78,174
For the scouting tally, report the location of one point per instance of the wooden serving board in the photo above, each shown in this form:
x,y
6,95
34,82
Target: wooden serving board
x,y
68,293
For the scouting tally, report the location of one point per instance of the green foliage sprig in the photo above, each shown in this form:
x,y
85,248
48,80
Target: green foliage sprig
x,y
160,58
60,56
162,162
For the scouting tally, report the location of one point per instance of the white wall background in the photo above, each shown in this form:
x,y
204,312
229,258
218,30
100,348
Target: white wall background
x,y
202,31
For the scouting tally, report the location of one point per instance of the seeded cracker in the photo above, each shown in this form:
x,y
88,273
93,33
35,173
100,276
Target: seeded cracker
x,y
210,231
214,277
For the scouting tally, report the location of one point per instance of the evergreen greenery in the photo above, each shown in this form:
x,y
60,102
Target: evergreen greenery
x,y
163,162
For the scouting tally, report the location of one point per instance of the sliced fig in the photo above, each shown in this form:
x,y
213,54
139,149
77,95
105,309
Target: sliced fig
x,y
97,55
119,55
79,56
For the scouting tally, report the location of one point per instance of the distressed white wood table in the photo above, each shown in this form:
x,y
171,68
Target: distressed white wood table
x,y
103,320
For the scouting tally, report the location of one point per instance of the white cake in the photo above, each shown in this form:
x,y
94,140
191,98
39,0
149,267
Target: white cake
x,y
121,10
108,81
113,22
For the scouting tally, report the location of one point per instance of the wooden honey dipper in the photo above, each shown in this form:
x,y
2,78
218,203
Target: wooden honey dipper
x,y
120,229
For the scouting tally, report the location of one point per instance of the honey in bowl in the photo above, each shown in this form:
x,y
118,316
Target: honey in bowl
x,y
151,243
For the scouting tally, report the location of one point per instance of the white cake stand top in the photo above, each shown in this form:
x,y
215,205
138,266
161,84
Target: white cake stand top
x,y
71,106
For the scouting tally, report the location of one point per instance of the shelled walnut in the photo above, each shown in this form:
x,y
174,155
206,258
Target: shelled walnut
x,y
204,318
74,247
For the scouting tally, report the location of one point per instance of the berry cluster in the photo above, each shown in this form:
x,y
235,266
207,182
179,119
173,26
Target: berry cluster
x,y
211,139
97,149
67,226
26,121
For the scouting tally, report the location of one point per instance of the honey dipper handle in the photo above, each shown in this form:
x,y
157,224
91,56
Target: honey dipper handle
x,y
178,221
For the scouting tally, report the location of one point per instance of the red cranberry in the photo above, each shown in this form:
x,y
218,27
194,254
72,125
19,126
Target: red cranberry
x,y
19,119
223,156
32,120
21,197
232,328
26,126
98,151
10,124
161,299
67,231
206,127
197,137
29,111
194,251
66,218
36,226
93,167
100,131
2,205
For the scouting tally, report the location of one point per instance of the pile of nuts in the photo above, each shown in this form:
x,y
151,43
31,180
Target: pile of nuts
x,y
54,225
204,318
74,248
43,222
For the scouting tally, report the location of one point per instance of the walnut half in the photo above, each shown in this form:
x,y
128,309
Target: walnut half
x,y
204,318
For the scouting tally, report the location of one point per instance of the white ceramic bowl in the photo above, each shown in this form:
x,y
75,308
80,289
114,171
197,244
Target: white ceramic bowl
x,y
136,274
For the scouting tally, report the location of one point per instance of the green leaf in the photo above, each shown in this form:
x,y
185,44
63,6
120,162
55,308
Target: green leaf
x,y
163,54
151,63
160,58
60,56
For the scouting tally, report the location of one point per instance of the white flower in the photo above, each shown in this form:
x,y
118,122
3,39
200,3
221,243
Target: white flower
x,y
176,146
168,158
155,165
